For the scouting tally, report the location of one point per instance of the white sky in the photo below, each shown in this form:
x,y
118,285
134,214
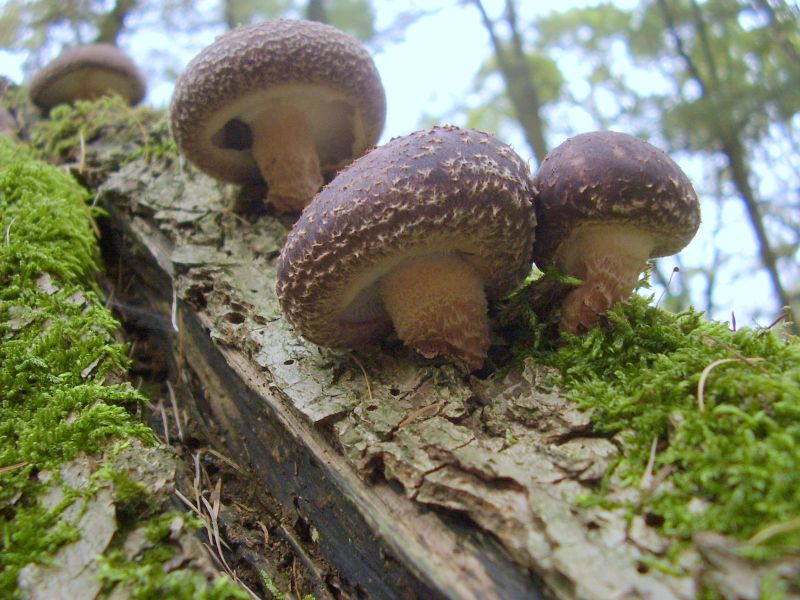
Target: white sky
x,y
427,73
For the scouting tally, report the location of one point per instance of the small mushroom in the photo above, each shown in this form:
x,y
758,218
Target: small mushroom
x,y
286,101
86,73
416,235
607,203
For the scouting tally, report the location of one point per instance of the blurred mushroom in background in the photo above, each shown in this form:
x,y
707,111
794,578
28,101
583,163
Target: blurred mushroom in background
x,y
86,73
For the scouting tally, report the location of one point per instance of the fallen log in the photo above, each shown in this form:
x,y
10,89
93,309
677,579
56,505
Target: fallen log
x,y
414,480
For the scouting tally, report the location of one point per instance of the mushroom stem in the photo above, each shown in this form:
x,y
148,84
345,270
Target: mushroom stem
x,y
284,149
438,307
609,260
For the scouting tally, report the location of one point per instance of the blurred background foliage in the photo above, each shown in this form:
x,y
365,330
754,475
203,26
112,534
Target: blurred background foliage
x,y
715,83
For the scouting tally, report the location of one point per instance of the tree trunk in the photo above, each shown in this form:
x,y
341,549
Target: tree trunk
x,y
731,146
113,22
316,11
516,74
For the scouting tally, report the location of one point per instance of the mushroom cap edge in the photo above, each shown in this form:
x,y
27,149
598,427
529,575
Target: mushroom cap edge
x,y
99,56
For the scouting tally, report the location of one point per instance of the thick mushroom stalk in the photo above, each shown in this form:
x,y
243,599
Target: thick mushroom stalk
x,y
282,100
438,307
284,149
609,260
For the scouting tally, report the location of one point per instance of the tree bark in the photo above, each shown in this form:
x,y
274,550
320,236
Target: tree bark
x,y
410,478
316,11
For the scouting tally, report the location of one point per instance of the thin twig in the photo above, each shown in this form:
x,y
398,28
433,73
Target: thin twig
x,y
427,411
265,531
781,317
196,481
188,503
294,577
174,310
647,476
224,458
660,476
773,530
213,536
8,229
82,155
366,378
165,421
14,467
175,413
669,283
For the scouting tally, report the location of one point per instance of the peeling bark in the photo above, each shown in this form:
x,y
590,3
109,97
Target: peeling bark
x,y
413,480
321,430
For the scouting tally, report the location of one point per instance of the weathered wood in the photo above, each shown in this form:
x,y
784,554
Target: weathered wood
x,y
380,454
383,543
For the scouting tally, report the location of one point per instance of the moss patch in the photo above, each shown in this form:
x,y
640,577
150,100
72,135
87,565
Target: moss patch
x,y
62,388
708,419
116,132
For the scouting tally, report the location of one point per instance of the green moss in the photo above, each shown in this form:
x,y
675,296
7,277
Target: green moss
x,y
60,395
132,131
144,575
730,461
43,223
146,579
56,351
132,499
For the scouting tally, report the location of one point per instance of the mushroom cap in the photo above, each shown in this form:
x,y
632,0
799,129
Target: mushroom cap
x,y
308,65
614,178
445,190
87,72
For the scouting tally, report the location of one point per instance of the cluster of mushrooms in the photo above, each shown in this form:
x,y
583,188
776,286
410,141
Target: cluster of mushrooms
x,y
416,236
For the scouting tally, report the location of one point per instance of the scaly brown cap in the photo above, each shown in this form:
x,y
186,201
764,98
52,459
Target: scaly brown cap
x,y
612,177
310,66
442,191
85,73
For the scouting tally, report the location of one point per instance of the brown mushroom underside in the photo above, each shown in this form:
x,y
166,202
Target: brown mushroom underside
x,y
85,73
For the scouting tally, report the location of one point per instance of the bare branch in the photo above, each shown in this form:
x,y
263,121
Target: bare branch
x,y
113,22
731,145
517,76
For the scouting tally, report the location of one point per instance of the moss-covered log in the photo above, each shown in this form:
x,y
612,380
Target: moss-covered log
x,y
564,469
